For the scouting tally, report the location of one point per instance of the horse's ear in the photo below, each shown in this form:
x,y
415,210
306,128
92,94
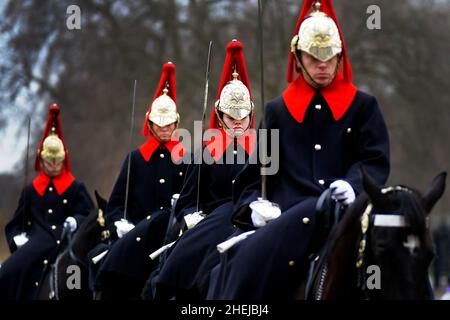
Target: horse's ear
x,y
434,192
370,186
101,202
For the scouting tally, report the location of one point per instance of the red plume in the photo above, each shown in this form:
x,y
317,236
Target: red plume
x,y
233,59
327,8
53,120
167,77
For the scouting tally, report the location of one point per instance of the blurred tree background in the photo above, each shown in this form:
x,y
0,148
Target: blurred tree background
x,y
90,74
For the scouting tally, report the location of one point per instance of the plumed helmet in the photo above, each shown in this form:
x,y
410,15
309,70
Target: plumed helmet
x,y
317,33
52,147
234,96
163,110
318,36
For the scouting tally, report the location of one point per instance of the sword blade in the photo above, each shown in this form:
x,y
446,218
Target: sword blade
x,y
262,145
205,104
129,153
25,179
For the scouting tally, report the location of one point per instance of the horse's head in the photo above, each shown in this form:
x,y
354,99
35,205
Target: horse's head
x,y
396,241
382,247
92,231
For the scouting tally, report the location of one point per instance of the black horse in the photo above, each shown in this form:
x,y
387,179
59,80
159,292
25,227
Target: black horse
x,y
59,281
381,249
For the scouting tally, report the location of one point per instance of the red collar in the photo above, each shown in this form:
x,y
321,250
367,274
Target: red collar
x,y
176,149
220,143
61,183
339,95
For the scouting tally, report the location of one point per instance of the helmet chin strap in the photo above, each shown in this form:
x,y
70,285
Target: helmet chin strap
x,y
309,79
150,127
223,125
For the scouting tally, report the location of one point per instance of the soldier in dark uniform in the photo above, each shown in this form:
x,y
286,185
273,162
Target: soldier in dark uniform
x,y
156,173
52,202
328,132
233,116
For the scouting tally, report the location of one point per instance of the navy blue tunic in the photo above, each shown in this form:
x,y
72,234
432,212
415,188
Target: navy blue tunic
x,y
151,185
312,154
43,217
180,272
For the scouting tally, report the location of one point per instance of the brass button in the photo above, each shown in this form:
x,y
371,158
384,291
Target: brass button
x,y
317,147
161,155
321,181
45,261
181,173
50,189
36,284
65,201
349,130
305,220
50,211
318,107
161,181
53,227
58,242
148,217
138,239
291,263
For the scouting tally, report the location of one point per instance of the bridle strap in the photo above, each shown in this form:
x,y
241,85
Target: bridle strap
x,y
360,261
388,220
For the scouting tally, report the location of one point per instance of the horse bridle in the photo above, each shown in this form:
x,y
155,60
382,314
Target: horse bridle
x,y
378,220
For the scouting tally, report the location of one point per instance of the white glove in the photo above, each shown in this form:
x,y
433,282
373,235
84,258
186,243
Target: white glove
x,y
70,223
20,239
122,227
343,192
264,211
193,218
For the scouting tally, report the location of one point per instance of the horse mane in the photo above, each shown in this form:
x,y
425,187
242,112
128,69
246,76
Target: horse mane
x,y
87,224
412,209
350,217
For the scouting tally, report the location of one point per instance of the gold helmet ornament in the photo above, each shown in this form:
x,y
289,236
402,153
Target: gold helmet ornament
x,y
163,109
318,36
53,149
234,97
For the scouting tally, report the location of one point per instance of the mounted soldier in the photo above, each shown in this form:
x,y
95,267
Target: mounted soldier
x,y
154,174
207,191
54,202
328,131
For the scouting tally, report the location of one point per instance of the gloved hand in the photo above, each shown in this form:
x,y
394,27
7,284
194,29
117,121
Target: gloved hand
x,y
70,224
343,192
123,227
263,211
193,218
20,239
